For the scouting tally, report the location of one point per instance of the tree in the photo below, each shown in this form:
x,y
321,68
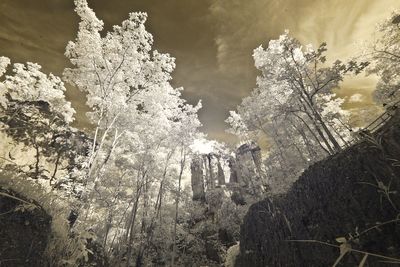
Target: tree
x,y
35,113
28,83
293,106
143,128
384,56
300,76
115,71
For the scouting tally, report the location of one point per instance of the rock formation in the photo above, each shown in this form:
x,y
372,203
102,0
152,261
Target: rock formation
x,y
244,169
248,167
347,196
220,174
197,180
24,231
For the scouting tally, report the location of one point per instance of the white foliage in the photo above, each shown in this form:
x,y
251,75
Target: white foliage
x,y
143,126
293,107
384,56
4,62
28,83
118,69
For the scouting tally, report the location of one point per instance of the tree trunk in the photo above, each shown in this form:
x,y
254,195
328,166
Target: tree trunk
x,y
131,223
314,135
55,167
37,160
183,160
318,129
148,230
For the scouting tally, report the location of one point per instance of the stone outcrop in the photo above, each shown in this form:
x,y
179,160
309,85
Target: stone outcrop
x,y
233,178
30,236
244,170
220,173
197,180
216,229
247,166
207,173
347,195
24,231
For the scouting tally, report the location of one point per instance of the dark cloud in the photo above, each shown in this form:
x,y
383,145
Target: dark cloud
x,y
212,40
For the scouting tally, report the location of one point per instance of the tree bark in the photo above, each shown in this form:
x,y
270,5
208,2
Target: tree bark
x,y
178,195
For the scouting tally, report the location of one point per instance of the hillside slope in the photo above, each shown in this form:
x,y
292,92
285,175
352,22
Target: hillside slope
x,y
24,231
345,195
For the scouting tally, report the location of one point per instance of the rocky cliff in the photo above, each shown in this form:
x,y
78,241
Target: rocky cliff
x,y
350,200
40,182
24,231
224,185
243,167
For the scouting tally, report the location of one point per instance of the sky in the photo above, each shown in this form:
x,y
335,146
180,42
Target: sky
x,y
212,41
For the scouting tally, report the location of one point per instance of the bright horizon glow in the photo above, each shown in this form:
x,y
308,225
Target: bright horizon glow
x,y
203,146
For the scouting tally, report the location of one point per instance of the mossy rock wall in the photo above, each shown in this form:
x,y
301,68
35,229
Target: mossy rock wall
x,y
341,195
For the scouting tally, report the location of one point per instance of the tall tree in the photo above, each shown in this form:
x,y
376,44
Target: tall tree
x,y
293,106
35,113
384,55
141,125
115,71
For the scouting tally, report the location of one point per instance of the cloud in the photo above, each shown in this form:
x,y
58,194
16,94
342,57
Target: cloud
x,y
241,26
356,98
212,40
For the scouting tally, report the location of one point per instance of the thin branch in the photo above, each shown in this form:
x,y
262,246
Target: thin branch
x,y
351,249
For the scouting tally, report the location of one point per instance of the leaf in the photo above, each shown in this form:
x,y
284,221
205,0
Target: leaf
x,y
341,240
